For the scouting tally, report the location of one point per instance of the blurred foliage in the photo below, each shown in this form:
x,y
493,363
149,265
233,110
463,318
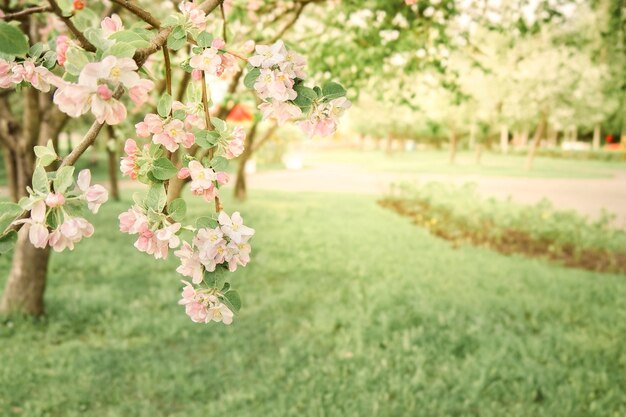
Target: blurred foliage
x,y
461,215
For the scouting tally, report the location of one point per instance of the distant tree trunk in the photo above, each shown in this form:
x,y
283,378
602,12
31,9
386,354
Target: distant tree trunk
x,y
479,154
241,191
113,166
595,144
472,136
453,146
535,142
504,139
389,144
524,137
575,134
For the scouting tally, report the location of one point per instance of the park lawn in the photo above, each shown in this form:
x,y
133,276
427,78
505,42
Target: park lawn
x,y
348,310
492,164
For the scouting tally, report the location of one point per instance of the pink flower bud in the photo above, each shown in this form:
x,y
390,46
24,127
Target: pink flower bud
x,y
248,47
218,43
183,173
196,75
130,147
55,199
222,178
104,92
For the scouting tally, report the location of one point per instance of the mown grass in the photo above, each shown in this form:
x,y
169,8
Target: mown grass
x,y
492,164
349,310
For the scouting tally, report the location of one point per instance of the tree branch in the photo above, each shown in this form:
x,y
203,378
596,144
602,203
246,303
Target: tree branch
x,y
84,42
139,12
22,14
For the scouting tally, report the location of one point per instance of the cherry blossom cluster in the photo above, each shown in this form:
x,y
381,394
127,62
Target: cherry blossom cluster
x,y
169,132
56,208
204,305
40,77
96,86
205,181
277,75
213,60
225,244
153,237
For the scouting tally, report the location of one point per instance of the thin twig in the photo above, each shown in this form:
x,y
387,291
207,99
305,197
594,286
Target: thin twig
x,y
209,126
223,22
25,13
139,12
168,70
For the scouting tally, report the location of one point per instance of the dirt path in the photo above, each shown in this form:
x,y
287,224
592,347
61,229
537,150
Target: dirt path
x,y
588,196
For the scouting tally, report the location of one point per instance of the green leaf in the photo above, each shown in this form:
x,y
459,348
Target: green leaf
x,y
76,59
219,163
233,300
12,40
97,39
36,50
171,20
74,208
45,154
40,180
8,213
251,77
206,223
179,33
219,124
122,50
175,44
204,39
163,169
130,37
165,105
156,198
177,209
64,179
207,139
7,242
179,114
49,59
332,90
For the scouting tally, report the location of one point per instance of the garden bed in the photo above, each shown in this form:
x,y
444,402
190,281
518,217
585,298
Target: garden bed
x,y
459,215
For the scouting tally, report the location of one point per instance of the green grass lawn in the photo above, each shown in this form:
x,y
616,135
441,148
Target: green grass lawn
x,y
348,310
436,162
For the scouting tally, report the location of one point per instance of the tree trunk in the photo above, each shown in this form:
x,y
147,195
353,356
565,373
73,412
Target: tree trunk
x,y
241,191
10,167
524,137
25,286
472,136
453,146
479,154
535,143
596,138
113,166
504,139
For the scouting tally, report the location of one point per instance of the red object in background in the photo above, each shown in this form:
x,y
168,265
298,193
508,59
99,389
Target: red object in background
x,y
239,113
609,138
78,4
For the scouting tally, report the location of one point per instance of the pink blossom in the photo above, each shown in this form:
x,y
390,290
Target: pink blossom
x,y
54,200
7,77
208,61
73,99
107,109
234,228
236,143
62,44
139,93
112,69
111,25
39,77
133,221
218,43
38,233
183,173
71,231
173,135
196,74
268,55
195,16
96,195
130,147
151,125
275,85
238,255
158,243
202,180
218,311
281,111
190,265
293,65
222,178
